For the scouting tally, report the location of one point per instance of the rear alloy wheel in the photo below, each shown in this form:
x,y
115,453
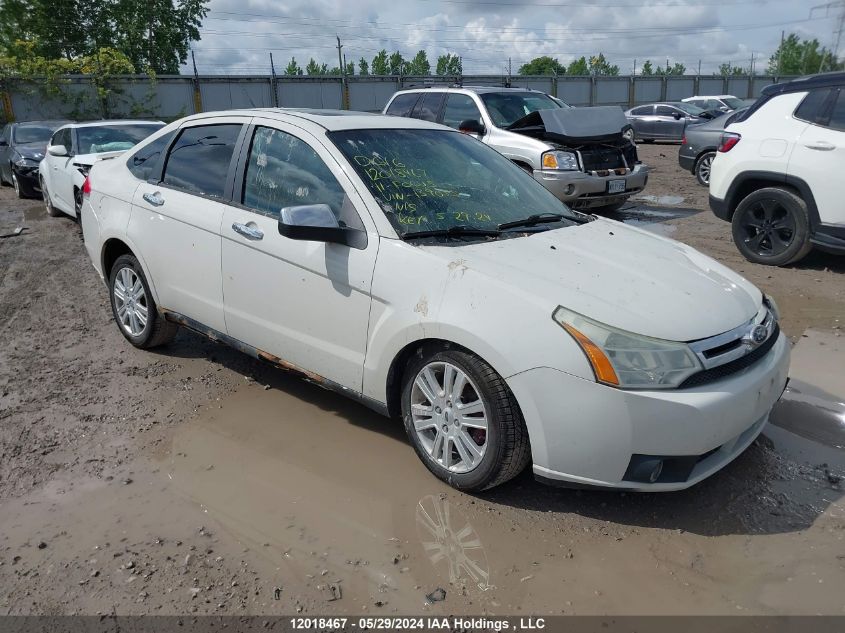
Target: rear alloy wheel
x,y
52,211
134,308
771,226
463,421
702,168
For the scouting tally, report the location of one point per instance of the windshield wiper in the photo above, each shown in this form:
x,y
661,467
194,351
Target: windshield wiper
x,y
531,220
460,230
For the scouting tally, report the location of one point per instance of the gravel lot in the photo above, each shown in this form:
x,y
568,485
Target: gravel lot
x,y
198,480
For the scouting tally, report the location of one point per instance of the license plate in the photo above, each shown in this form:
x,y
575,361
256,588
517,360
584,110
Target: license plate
x,y
616,186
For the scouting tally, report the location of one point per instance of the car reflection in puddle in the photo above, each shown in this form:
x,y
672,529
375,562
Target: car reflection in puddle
x,y
451,543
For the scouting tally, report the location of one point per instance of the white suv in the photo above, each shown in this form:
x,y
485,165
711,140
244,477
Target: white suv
x,y
776,176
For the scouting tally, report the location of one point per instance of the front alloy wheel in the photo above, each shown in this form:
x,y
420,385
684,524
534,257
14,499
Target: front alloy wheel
x,y
462,419
449,417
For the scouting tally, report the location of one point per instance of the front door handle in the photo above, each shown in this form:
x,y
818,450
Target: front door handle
x,y
249,232
822,146
154,199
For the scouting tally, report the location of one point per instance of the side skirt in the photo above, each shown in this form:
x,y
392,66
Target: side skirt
x,y
249,350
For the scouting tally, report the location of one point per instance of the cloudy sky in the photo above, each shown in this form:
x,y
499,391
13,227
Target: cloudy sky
x,y
238,35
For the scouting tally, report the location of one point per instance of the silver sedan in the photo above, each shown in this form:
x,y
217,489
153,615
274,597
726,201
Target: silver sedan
x,y
664,121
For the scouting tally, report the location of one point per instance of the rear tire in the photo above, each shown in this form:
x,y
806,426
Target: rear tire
x,y
702,168
772,226
499,451
134,308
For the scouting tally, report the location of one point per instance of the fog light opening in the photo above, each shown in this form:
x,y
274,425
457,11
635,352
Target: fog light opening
x,y
570,189
655,473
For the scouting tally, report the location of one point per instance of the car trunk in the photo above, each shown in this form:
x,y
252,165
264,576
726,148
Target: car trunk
x,y
595,134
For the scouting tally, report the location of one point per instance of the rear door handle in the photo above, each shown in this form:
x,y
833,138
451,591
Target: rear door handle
x,y
249,232
154,199
822,146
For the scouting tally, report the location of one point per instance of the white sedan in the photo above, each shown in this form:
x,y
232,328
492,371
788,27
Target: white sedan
x,y
413,268
74,148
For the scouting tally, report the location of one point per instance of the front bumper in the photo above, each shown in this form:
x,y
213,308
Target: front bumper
x,y
581,190
586,434
28,179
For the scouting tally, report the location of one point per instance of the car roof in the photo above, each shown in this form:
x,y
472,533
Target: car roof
x,y
460,89
709,97
331,120
821,80
43,122
106,122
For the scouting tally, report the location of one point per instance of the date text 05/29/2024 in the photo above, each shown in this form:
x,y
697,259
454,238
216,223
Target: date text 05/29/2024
x,y
407,623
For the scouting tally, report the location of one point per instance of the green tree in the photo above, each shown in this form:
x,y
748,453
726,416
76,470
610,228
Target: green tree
x,y
449,64
363,67
419,65
726,70
647,69
542,66
313,69
799,57
676,69
397,64
600,66
154,34
292,68
380,64
578,67
350,69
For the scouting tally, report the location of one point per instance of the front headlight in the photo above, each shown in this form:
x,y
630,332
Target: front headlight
x,y
769,302
562,161
629,361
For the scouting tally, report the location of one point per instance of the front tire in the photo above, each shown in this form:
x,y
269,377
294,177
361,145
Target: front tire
x,y
17,185
702,168
52,211
133,307
772,226
462,420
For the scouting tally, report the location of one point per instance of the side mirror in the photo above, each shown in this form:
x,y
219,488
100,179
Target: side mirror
x,y
471,126
677,116
317,223
4,143
57,150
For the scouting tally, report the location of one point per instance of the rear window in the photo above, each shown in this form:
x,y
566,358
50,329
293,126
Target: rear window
x,y
142,163
428,107
812,106
199,159
113,138
402,104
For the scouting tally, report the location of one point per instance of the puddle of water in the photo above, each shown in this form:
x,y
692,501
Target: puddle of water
x,y
663,201
811,413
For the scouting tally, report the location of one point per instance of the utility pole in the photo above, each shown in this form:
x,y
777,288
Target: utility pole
x,y
751,68
699,68
635,67
344,97
197,93
780,52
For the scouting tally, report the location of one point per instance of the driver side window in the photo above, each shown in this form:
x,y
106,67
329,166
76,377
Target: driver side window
x,y
284,171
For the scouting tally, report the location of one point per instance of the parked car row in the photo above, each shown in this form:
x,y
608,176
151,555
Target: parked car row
x,y
497,324
51,158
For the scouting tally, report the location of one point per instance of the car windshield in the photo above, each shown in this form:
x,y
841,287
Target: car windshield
x,y
24,134
733,102
113,138
506,108
688,108
432,180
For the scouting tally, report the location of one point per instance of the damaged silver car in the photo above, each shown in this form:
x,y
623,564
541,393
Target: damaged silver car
x,y
584,156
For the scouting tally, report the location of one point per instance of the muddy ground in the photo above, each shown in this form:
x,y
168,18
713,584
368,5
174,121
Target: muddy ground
x,y
195,479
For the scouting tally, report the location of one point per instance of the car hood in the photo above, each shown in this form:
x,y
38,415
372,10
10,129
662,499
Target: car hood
x,y
90,159
618,275
33,151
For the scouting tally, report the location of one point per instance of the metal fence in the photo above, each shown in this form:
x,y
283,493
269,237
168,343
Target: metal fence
x,y
171,97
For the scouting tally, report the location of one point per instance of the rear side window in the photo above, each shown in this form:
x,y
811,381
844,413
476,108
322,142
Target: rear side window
x,y
812,107
837,116
642,110
665,111
459,108
403,104
428,107
199,160
146,159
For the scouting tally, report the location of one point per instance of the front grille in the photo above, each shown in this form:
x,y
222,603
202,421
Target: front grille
x,y
602,158
743,362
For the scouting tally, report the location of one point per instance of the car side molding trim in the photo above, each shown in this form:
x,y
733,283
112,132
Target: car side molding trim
x,y
249,350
